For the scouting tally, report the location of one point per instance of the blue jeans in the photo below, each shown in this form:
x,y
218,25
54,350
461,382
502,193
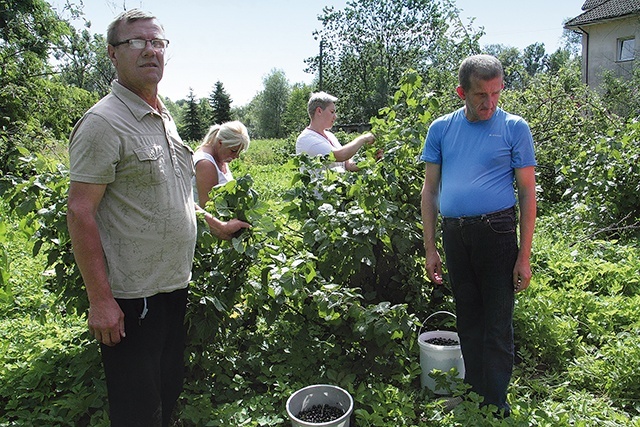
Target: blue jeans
x,y
480,253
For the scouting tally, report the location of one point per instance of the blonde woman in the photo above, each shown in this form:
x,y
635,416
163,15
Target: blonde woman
x,y
222,144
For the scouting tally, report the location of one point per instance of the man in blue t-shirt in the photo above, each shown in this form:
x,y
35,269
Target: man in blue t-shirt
x,y
473,156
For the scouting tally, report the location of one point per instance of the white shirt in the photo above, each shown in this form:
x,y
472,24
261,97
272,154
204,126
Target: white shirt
x,y
315,144
223,178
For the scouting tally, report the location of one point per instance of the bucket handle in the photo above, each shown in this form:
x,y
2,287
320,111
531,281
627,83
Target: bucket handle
x,y
433,314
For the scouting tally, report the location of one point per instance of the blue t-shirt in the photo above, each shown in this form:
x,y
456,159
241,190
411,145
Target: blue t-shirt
x,y
478,160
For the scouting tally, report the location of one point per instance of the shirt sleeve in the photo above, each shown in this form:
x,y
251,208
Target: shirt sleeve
x,y
523,154
432,151
94,151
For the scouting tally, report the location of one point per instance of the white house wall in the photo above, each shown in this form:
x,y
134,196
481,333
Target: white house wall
x,y
602,46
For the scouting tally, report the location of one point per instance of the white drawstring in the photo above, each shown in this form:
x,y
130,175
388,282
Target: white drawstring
x,y
144,310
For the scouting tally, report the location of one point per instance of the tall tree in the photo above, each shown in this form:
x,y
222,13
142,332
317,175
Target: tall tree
x,y
28,29
84,62
368,45
193,125
220,103
535,58
563,57
82,58
571,40
206,115
247,115
32,102
177,111
515,75
295,117
272,105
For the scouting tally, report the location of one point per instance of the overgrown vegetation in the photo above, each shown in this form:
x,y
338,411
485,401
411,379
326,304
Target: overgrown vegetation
x,y
328,285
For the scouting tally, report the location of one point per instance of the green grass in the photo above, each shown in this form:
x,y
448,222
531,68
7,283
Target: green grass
x,y
47,360
267,161
576,338
268,152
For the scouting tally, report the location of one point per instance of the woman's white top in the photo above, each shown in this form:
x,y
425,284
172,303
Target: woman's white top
x,y
223,178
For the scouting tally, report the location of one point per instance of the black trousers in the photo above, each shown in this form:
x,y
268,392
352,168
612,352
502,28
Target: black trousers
x,y
145,371
480,254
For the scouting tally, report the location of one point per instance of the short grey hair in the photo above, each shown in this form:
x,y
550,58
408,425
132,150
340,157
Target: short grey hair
x,y
483,67
127,16
319,99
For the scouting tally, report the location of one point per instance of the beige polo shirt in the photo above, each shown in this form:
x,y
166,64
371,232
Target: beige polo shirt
x,y
146,218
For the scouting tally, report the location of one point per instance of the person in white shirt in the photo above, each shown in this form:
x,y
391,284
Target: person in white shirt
x,y
222,144
317,140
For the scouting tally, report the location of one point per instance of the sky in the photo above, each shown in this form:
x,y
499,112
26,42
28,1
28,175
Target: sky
x,y
241,42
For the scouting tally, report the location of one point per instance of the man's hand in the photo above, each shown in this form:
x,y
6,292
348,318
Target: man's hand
x,y
433,265
521,274
225,230
106,322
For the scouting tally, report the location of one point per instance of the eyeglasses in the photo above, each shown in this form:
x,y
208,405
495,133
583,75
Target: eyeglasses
x,y
137,44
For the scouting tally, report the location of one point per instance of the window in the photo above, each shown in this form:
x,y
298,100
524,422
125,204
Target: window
x,y
626,49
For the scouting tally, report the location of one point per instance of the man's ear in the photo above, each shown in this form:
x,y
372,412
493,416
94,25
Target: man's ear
x,y
461,93
111,51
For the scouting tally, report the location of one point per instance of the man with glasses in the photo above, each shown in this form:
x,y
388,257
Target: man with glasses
x,y
131,217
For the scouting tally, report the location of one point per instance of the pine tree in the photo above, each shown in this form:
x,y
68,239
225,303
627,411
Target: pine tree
x,y
193,123
220,102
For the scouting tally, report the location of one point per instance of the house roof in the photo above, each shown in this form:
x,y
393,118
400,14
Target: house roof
x,y
590,4
600,10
